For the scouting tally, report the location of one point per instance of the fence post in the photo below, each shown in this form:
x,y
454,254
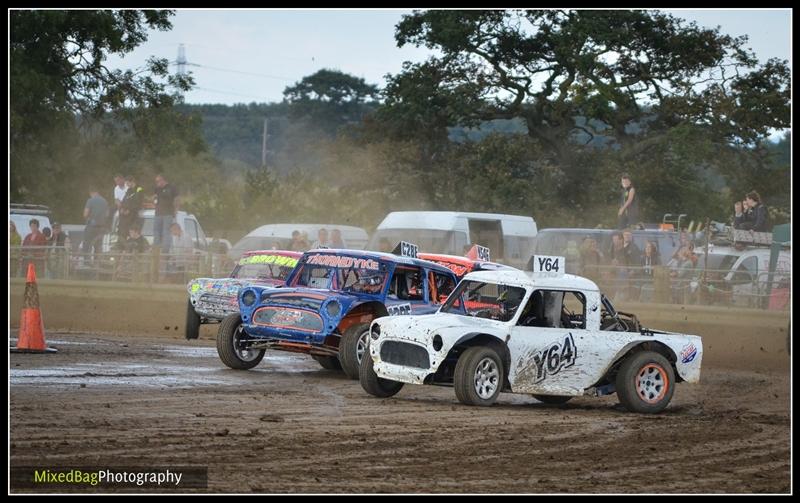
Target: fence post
x,y
155,271
662,293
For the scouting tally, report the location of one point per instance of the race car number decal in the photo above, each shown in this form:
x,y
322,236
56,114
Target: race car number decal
x,y
552,360
399,309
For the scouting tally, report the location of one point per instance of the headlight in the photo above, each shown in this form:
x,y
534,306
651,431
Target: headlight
x,y
437,342
249,298
333,308
375,331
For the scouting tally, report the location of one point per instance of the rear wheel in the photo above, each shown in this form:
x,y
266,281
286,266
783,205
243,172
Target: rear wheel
x,y
478,376
230,347
192,322
352,348
553,399
374,385
328,362
645,382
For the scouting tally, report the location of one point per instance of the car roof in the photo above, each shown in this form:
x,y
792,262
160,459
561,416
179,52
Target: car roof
x,y
457,259
515,277
387,257
445,220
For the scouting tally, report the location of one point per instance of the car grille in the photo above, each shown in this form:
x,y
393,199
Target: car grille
x,y
403,353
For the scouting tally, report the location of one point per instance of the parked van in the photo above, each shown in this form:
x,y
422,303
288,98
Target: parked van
x,y
187,221
748,277
278,237
22,214
509,237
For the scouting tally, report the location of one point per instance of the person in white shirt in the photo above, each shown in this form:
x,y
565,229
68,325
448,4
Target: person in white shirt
x,y
119,190
322,239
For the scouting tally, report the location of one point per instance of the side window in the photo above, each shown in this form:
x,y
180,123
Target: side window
x,y
554,309
440,287
407,283
746,271
201,236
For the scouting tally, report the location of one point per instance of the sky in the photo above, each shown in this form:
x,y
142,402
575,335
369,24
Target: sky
x,y
253,55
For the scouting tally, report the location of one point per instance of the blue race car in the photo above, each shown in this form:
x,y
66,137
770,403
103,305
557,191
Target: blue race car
x,y
327,305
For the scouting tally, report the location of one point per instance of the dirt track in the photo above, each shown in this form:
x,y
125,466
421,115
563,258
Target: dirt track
x,y
289,426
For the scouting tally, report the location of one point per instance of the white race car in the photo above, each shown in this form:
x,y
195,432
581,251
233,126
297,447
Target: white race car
x,y
548,334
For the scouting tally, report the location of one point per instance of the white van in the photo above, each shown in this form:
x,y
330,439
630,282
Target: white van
x,y
187,221
278,236
510,238
748,277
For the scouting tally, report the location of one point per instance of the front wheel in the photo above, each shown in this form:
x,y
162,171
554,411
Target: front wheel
x,y
553,399
374,385
478,376
192,322
645,382
352,348
230,338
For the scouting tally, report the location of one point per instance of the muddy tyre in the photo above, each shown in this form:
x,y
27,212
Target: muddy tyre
x,y
374,385
352,347
192,322
229,337
328,362
553,399
645,382
478,376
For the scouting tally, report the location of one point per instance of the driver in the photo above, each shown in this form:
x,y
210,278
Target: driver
x,y
369,283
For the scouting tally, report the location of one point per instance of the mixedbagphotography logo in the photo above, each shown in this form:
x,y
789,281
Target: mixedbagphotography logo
x,y
77,478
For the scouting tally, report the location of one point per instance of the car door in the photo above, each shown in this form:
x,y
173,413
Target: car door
x,y
546,346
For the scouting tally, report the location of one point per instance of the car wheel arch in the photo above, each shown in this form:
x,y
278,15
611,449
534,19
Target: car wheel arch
x,y
638,346
483,339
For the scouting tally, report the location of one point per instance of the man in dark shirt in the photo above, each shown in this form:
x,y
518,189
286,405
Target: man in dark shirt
x,y
166,199
136,243
760,216
96,214
38,240
129,209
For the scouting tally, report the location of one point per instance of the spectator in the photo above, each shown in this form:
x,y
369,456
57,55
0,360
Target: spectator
x,y
630,251
619,271
298,243
322,239
166,200
56,255
628,213
591,258
682,273
37,256
119,191
182,248
96,214
649,260
129,210
760,218
136,243
14,242
336,239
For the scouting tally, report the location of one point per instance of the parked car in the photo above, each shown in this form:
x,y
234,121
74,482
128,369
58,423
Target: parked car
x,y
211,300
749,275
279,236
511,237
549,334
326,307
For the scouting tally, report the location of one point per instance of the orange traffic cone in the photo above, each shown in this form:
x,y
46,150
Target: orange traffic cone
x,y
31,326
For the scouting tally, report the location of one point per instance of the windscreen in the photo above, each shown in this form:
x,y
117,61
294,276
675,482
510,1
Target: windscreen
x,y
485,300
342,273
264,267
431,241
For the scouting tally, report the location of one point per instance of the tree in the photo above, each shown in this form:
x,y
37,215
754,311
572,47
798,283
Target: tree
x,y
615,67
62,93
329,99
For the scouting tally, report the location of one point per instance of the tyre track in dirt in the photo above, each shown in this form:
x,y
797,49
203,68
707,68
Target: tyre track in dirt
x,y
288,426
